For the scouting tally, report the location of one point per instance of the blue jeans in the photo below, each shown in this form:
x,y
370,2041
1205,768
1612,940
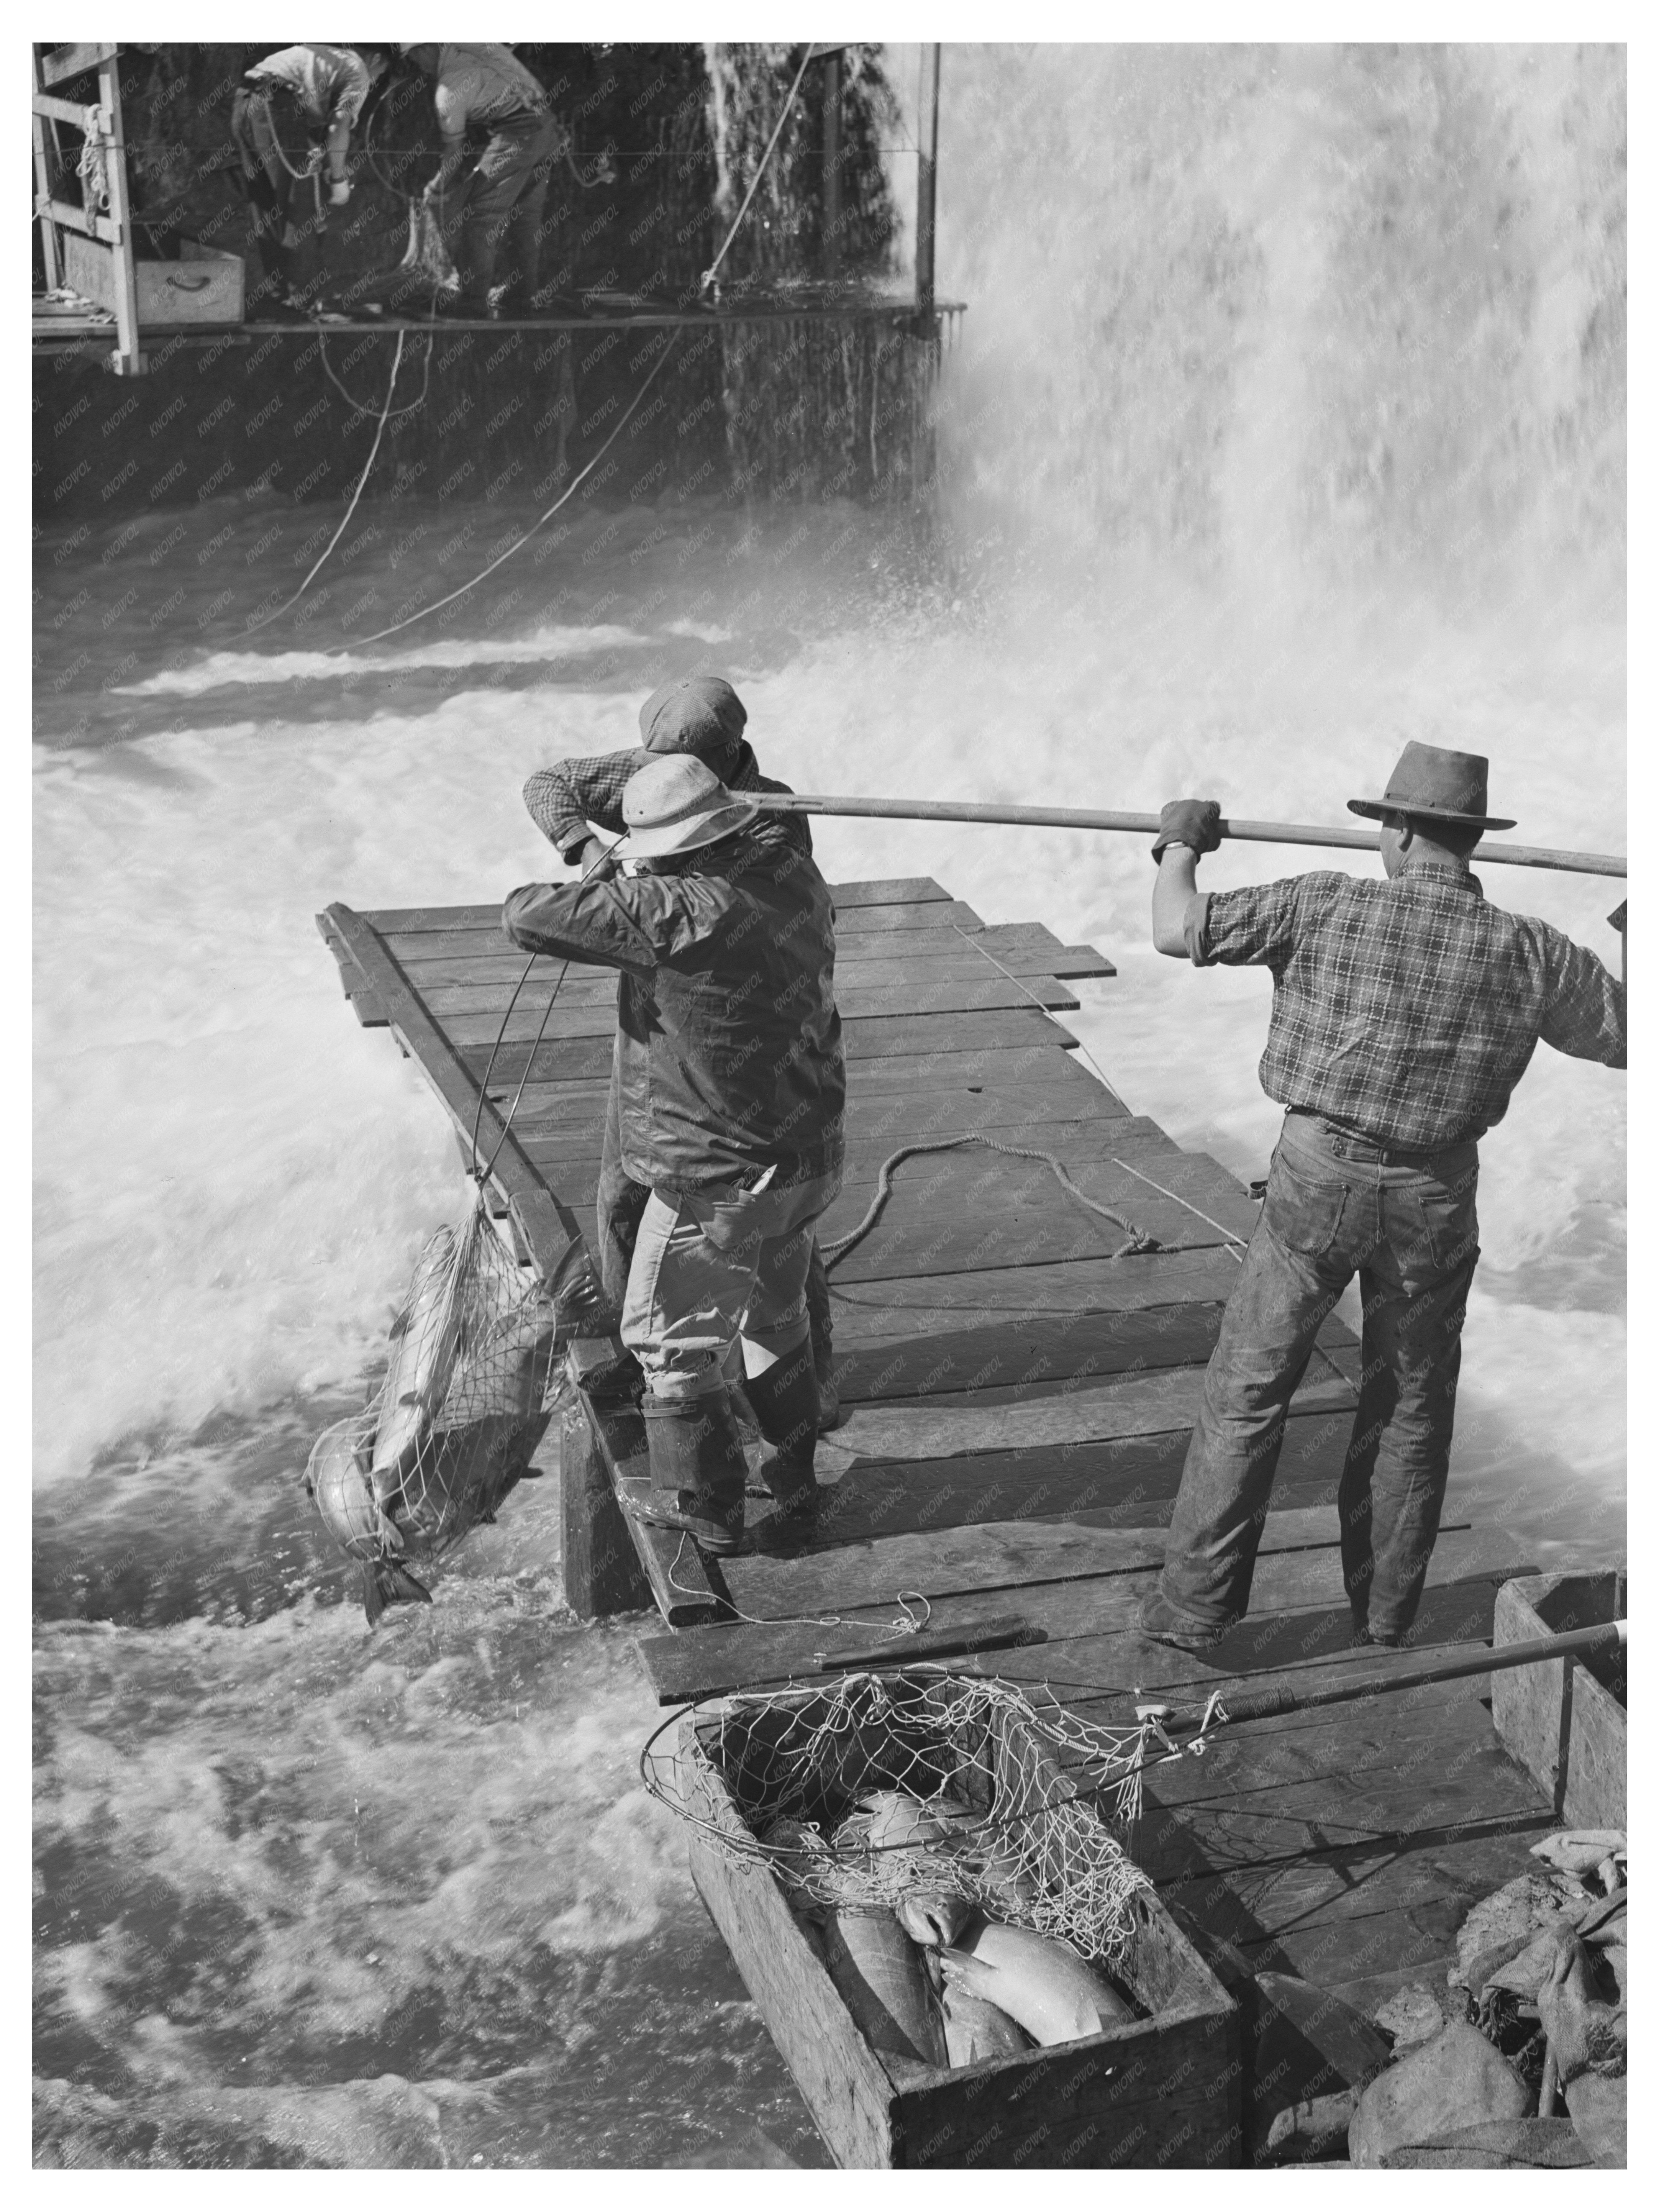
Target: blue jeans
x,y
1336,1203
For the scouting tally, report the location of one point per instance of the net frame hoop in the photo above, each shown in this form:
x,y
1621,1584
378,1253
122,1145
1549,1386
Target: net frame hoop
x,y
751,1850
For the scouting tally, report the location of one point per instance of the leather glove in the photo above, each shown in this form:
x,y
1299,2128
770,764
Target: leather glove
x,y
1189,822
339,191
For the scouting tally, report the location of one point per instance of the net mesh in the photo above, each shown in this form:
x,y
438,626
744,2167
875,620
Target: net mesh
x,y
1009,1779
463,1404
426,256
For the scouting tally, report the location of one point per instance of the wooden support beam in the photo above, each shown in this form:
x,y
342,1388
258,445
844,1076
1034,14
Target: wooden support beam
x,y
128,359
550,1229
75,113
67,217
602,1570
927,186
43,184
831,213
65,62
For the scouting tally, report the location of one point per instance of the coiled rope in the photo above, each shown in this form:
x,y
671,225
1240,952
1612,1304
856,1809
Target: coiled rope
x,y
1235,1245
1137,1239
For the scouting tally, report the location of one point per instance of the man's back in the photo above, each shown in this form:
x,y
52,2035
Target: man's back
x,y
1408,1008
481,84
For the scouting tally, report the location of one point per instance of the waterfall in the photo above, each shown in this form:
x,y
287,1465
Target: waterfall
x,y
1317,310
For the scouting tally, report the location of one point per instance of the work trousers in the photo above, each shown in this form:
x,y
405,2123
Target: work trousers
x,y
505,201
715,1268
1335,1204
270,189
620,1204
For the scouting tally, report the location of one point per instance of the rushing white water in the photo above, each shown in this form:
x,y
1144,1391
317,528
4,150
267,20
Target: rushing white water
x,y
1205,532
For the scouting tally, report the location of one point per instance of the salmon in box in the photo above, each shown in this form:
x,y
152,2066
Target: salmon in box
x,y
766,1782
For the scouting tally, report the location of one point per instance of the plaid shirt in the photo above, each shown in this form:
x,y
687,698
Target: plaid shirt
x,y
563,800
1407,1009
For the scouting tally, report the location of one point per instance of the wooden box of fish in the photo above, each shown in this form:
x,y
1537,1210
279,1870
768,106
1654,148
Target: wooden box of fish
x,y
1564,1719
958,1961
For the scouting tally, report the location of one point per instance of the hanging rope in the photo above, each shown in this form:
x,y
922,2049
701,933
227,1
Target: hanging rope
x,y
413,406
460,590
93,167
379,430
482,1175
771,145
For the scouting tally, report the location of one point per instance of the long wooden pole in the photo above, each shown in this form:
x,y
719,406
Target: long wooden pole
x,y
1081,817
1284,1697
926,182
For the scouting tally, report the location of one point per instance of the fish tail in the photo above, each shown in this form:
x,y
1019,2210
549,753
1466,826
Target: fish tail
x,y
385,1583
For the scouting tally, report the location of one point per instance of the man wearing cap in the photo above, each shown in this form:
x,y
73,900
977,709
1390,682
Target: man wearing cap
x,y
728,1096
703,716
1404,1014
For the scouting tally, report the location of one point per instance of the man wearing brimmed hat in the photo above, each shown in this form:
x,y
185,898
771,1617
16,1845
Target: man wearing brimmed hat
x,y
703,716
1404,1014
727,1097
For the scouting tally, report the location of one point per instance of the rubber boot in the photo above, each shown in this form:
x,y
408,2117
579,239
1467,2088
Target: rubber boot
x,y
697,1469
785,1400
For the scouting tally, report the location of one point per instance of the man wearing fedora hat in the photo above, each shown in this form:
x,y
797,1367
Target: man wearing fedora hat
x,y
727,1097
1404,1014
703,716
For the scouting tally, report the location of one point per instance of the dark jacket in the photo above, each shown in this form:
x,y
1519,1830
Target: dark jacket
x,y
728,1057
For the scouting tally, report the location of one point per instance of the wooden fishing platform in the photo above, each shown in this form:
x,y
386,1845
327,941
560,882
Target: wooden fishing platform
x,y
61,326
1018,1402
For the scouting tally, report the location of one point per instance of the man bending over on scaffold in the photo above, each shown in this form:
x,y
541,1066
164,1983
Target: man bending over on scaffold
x,y
316,93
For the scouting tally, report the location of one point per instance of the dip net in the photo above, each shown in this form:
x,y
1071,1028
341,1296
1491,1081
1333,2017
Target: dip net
x,y
426,257
775,1780
469,1382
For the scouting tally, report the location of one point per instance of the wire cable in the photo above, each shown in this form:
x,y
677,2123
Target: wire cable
x,y
379,430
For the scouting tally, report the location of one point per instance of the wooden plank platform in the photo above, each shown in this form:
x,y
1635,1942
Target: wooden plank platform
x,y
1019,1394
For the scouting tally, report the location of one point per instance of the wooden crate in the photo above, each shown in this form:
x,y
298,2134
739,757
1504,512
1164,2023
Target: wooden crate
x,y
1161,2091
1565,1720
206,285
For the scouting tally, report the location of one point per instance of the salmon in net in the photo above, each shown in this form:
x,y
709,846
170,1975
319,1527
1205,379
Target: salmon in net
x,y
465,1401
